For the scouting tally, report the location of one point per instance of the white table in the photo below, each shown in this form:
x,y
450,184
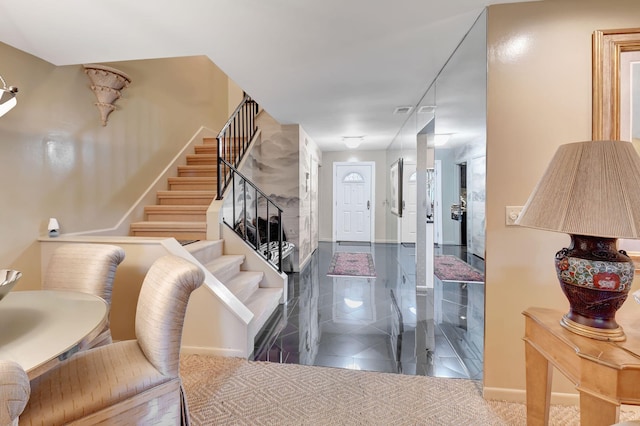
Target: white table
x,y
40,328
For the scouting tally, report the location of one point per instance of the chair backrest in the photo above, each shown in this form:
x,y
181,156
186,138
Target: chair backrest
x,y
162,305
14,392
89,268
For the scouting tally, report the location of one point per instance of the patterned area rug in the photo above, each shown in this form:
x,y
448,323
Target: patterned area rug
x,y
352,265
451,268
234,391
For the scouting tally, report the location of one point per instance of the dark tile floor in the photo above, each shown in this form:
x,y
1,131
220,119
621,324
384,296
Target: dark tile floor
x,y
382,323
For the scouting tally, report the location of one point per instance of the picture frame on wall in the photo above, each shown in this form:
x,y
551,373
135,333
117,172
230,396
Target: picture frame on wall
x,y
616,96
395,176
616,58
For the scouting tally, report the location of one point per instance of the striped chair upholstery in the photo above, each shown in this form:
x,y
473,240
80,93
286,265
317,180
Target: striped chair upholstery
x,y
88,268
127,382
14,392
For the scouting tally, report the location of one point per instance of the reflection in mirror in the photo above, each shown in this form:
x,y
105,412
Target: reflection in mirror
x,y
450,173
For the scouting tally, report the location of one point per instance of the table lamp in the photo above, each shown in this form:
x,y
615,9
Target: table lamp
x,y
591,191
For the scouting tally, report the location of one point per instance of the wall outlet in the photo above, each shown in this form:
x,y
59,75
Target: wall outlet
x,y
511,214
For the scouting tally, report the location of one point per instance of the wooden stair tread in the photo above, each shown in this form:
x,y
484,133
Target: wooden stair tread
x,y
206,149
186,193
169,225
192,179
209,159
198,167
178,208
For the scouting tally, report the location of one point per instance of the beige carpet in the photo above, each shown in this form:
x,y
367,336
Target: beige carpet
x,y
233,391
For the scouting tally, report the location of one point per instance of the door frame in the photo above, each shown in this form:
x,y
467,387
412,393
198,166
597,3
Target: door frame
x,y
334,200
403,220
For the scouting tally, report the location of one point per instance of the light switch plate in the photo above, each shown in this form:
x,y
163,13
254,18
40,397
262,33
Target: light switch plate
x,y
511,214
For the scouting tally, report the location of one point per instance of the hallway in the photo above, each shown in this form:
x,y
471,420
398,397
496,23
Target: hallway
x,y
379,324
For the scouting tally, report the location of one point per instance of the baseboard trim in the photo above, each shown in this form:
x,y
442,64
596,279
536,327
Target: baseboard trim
x,y
519,395
198,350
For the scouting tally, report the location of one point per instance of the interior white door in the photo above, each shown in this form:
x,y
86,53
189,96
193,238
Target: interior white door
x,y
353,201
409,203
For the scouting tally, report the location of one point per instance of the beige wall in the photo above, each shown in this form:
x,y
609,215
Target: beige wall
x,y
59,161
539,97
325,190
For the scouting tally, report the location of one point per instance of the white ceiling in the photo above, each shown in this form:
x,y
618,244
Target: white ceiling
x,y
337,67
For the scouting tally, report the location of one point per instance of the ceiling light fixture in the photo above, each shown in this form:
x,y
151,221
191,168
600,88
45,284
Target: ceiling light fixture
x,y
352,142
7,97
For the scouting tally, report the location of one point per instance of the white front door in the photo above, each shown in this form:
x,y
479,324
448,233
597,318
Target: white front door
x,y
353,203
409,203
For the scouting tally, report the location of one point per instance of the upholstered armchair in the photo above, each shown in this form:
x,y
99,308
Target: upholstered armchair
x,y
14,392
88,268
132,381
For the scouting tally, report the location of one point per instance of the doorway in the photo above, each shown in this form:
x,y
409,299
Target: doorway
x,y
353,195
462,190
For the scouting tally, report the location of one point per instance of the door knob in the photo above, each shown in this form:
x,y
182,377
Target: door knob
x,y
368,205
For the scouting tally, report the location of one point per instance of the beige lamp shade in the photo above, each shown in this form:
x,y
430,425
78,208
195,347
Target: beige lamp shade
x,y
590,188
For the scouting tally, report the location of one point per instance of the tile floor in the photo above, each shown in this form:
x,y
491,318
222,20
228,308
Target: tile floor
x,y
382,323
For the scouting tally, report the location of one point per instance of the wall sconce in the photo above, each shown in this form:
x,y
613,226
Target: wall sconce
x,y
107,85
7,97
53,227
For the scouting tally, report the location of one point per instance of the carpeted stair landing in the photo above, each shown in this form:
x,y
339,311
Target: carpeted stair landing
x,y
234,391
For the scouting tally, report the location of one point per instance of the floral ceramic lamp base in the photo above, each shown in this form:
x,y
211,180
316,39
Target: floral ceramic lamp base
x,y
596,278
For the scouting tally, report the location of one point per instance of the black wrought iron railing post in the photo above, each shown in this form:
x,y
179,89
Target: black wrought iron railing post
x,y
234,139
240,218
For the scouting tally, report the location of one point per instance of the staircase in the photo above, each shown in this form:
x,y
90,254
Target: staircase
x,y
248,286
181,211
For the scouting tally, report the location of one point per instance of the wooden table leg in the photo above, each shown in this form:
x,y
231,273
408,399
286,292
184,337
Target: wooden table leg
x,y
539,373
597,412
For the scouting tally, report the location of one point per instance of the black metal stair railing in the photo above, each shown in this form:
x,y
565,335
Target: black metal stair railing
x,y
257,219
254,216
234,139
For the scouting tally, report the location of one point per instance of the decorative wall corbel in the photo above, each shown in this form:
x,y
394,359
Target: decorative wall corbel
x,y
107,84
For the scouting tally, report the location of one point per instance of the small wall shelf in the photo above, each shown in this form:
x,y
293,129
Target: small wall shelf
x,y
107,84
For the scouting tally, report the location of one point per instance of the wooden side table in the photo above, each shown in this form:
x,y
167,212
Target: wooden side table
x,y
606,374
